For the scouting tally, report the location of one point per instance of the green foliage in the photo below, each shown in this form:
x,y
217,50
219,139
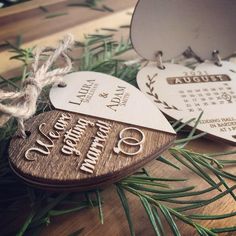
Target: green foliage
x,y
163,202
53,15
92,4
7,3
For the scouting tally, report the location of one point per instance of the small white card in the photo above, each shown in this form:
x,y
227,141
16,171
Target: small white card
x,y
104,96
182,93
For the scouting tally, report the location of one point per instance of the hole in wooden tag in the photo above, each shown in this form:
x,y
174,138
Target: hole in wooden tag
x,y
28,133
62,85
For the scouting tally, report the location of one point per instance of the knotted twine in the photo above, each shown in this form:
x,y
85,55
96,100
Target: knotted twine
x,y
24,103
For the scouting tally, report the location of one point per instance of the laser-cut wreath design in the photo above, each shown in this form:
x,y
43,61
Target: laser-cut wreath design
x,y
152,93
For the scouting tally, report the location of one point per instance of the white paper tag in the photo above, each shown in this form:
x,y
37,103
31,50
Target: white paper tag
x,y
104,96
182,93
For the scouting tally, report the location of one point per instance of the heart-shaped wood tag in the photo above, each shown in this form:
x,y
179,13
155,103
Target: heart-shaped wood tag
x,y
173,26
69,151
105,130
182,93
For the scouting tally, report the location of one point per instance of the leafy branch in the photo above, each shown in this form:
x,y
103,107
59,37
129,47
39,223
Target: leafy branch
x,y
156,198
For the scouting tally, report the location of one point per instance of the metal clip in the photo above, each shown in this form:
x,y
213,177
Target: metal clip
x,y
217,58
160,65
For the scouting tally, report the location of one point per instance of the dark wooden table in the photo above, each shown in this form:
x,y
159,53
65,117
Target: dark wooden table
x,y
30,23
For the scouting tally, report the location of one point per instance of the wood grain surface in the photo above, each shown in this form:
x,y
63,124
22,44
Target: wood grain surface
x,y
61,171
115,222
36,29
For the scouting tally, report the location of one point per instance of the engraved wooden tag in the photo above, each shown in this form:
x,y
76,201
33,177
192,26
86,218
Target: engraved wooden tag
x,y
71,151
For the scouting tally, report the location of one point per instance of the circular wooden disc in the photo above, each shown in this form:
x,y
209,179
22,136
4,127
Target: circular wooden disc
x,y
60,171
184,93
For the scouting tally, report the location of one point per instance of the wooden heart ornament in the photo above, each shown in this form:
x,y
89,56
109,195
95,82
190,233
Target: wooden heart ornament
x,y
172,26
182,93
102,142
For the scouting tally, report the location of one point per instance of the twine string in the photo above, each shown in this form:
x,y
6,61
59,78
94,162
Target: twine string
x,y
24,103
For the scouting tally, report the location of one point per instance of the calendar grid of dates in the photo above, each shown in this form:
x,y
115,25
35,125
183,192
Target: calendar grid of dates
x,y
199,99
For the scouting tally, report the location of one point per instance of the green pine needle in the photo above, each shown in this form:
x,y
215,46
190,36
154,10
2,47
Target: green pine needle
x,y
125,205
53,15
100,206
170,220
150,214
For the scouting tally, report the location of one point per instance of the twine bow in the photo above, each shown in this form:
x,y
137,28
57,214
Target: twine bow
x,y
23,103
